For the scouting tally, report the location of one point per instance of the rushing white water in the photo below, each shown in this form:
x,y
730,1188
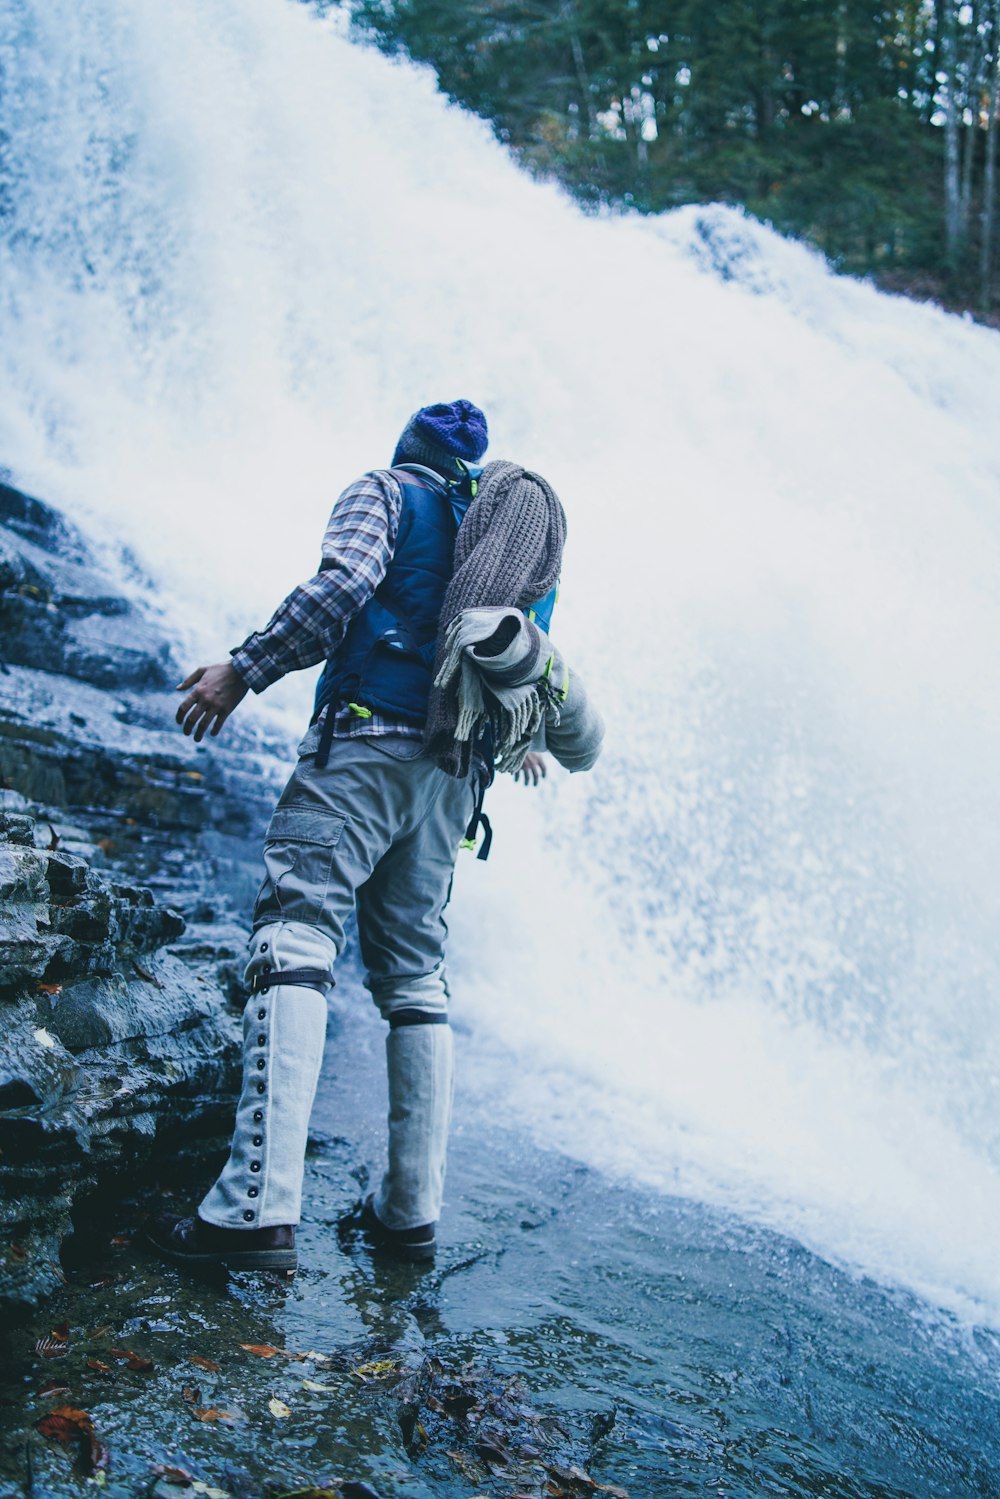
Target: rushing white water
x,y
754,956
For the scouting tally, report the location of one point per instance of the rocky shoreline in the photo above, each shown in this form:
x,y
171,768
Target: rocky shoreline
x,y
127,855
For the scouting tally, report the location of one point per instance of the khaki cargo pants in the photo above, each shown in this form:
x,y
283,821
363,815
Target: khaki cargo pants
x,y
377,828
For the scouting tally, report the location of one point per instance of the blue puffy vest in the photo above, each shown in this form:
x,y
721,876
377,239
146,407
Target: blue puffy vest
x,y
385,662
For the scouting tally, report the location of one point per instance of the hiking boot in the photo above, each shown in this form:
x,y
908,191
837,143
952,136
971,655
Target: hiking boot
x,y
414,1245
203,1246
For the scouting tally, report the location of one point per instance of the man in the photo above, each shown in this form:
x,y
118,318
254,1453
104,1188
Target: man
x,y
367,818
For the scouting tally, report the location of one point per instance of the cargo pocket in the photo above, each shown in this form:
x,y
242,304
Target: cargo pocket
x,y
298,859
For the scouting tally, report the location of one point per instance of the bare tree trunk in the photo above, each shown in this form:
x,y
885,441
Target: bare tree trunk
x,y
990,172
972,100
947,66
582,78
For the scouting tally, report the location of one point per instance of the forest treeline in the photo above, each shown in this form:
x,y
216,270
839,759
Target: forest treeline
x,y
869,129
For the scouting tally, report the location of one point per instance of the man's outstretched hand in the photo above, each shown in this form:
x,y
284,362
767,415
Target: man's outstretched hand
x,y
533,770
215,692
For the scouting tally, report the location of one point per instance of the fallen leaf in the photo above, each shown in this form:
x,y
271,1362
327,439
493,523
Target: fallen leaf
x,y
262,1350
189,1393
491,1450
312,1384
579,1476
382,1368
54,1388
173,1475
103,1282
310,1493
206,1363
458,1402
143,973
95,1363
279,1408
213,1414
317,1358
51,1347
61,1332
17,1253
208,1491
578,1479
132,1360
121,1241
468,1470
75,1428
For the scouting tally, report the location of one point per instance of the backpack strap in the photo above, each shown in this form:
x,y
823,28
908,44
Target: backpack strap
x,y
479,817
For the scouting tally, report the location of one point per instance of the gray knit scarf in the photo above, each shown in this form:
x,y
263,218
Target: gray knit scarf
x,y
508,554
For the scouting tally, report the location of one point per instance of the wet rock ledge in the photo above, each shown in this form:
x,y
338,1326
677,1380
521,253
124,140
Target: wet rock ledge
x,y
128,856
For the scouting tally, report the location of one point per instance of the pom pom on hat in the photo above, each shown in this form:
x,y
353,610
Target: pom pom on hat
x,y
445,432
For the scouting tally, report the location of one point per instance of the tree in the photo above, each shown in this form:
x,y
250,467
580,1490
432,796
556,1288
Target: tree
x,y
869,128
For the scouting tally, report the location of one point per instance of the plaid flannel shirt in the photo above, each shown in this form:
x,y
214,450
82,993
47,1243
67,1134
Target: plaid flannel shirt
x,y
308,627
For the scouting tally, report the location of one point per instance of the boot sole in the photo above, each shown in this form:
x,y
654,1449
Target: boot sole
x,y
410,1254
236,1259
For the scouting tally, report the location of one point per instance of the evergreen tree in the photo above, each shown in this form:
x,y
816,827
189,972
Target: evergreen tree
x,y
870,129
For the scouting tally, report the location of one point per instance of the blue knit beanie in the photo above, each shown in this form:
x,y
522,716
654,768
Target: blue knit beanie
x,y
440,435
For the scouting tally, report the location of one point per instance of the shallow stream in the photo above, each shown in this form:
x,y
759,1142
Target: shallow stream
x,y
654,1345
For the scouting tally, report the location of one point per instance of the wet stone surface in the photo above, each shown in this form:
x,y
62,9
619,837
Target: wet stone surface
x,y
572,1333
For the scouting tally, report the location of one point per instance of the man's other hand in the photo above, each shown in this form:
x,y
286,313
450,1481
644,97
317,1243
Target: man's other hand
x,y
533,770
215,692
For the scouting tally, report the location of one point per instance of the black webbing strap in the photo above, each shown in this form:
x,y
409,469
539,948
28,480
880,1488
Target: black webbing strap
x,y
307,978
326,737
479,816
416,1017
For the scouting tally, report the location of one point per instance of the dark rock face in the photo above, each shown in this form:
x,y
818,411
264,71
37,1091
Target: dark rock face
x,y
128,857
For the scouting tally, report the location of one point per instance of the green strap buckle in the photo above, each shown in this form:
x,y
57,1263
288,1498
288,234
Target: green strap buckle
x,y
360,711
